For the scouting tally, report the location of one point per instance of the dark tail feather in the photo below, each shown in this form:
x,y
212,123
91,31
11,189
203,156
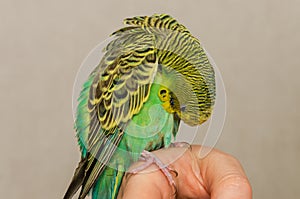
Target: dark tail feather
x,y
77,179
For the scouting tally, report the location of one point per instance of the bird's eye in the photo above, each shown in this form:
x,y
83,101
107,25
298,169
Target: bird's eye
x,y
162,92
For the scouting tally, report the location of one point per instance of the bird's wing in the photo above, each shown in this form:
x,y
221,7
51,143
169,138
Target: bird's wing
x,y
120,85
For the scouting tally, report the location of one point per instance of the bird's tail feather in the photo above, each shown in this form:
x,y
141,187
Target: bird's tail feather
x,y
77,179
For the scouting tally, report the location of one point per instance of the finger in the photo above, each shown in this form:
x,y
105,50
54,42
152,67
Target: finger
x,y
189,181
224,176
148,184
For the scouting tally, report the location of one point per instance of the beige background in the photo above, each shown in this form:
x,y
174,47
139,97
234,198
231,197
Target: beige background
x,y
255,43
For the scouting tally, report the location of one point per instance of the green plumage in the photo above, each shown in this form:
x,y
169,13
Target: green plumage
x,y
153,74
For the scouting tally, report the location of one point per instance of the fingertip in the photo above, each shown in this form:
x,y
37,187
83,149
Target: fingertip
x,y
224,176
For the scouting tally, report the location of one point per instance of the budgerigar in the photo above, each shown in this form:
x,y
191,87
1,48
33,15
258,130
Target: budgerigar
x,y
153,74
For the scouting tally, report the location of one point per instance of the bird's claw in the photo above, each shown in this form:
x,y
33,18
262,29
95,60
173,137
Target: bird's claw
x,y
149,159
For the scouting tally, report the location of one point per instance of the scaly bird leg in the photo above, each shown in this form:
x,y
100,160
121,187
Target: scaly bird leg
x,y
149,159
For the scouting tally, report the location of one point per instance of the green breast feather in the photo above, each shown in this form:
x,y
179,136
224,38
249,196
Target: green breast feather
x,y
153,74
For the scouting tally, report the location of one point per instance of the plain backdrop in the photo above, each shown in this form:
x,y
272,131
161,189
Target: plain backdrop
x,y
255,44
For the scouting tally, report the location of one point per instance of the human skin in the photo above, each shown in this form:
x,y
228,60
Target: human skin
x,y
218,175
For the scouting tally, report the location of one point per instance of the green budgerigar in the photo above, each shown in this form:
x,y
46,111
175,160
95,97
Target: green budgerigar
x,y
153,74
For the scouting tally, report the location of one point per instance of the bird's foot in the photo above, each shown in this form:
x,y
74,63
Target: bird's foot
x,y
149,159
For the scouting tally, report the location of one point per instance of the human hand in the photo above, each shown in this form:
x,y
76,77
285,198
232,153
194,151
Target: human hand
x,y
218,175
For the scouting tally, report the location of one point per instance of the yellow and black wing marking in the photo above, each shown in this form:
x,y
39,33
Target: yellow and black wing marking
x,y
118,92
122,85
